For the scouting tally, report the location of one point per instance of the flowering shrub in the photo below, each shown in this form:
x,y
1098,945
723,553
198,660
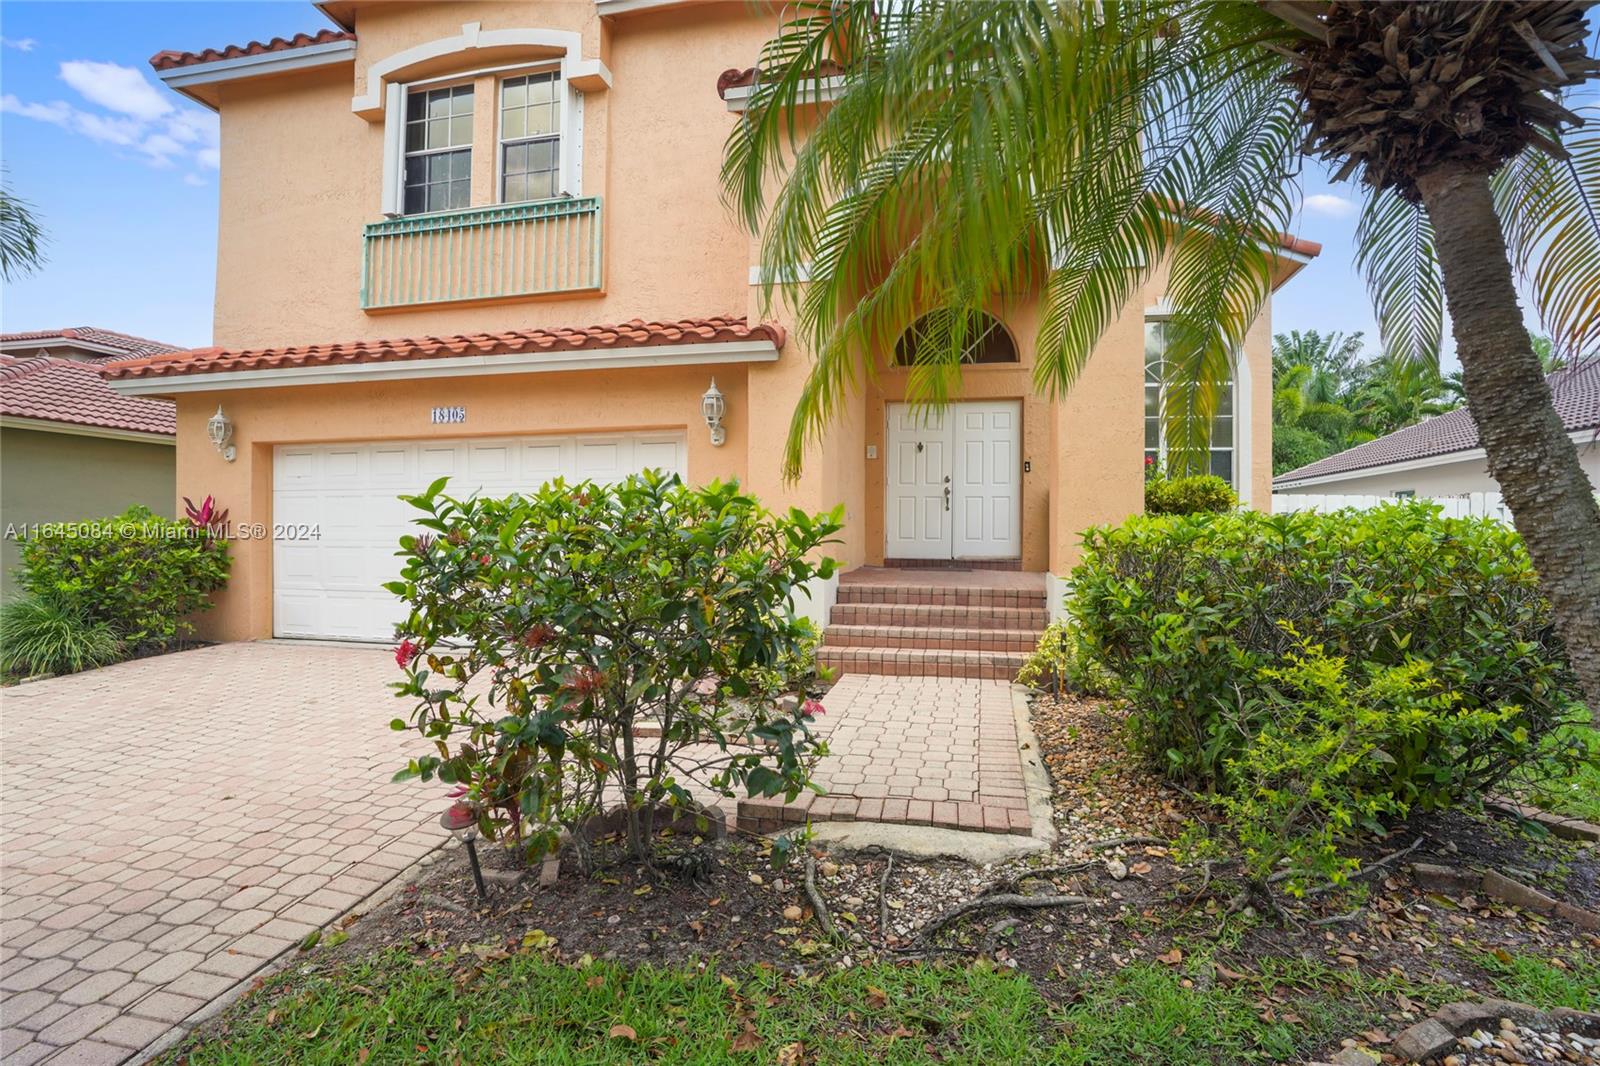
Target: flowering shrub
x,y
139,574
596,645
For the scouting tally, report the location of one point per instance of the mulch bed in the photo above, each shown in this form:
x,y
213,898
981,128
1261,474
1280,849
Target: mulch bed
x,y
1142,903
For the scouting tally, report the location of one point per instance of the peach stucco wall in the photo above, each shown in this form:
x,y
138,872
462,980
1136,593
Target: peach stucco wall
x,y
301,175
595,401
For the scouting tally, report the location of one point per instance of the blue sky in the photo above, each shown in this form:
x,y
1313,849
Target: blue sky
x,y
122,172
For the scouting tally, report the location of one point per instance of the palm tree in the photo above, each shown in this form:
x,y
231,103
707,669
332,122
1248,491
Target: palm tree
x,y
21,239
1398,393
1330,356
1073,147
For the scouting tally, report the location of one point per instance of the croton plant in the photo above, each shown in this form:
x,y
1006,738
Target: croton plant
x,y
589,647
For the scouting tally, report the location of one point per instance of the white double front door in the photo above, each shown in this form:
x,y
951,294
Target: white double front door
x,y
954,481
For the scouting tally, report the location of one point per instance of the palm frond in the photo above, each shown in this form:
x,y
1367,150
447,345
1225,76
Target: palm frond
x,y
984,151
1394,252
22,239
1549,209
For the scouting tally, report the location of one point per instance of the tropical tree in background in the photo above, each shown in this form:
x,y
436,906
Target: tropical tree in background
x,y
21,238
1329,358
972,151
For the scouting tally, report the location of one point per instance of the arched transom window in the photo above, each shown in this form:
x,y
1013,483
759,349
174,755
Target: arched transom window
x,y
990,341
1222,461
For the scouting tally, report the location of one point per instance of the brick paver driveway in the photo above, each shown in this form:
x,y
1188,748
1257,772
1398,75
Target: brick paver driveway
x,y
171,825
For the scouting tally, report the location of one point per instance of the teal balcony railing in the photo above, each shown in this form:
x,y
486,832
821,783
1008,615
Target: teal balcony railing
x,y
482,253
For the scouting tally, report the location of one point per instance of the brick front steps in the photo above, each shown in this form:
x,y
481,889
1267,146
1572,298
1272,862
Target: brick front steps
x,y
934,623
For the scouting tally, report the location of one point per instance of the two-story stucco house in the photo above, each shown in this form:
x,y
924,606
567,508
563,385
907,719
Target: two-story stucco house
x,y
487,240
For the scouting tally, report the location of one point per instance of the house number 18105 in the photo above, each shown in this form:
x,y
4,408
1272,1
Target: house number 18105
x,y
449,416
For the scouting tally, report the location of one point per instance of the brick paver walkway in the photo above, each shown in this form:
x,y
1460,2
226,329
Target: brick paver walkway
x,y
938,751
172,824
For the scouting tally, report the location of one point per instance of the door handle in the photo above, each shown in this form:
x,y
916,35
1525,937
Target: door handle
x,y
947,494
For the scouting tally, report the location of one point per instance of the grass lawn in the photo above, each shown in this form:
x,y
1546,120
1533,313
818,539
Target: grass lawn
x,y
1574,983
396,1008
1576,795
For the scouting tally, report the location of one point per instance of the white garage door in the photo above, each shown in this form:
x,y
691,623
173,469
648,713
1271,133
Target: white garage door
x,y
337,520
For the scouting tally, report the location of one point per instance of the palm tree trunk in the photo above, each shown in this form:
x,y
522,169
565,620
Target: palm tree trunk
x,y
1529,453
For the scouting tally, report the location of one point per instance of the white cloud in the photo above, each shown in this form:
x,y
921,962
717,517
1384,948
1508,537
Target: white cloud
x,y
134,115
21,44
59,113
195,180
1327,204
116,88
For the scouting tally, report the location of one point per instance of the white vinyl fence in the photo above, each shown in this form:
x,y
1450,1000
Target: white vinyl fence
x,y
1468,504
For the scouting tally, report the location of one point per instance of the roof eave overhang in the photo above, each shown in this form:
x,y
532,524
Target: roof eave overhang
x,y
80,429
58,341
827,90
198,81
1586,435
581,359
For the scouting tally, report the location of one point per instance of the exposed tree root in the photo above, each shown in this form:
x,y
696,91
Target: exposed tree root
x,y
883,900
997,901
992,937
818,905
1117,842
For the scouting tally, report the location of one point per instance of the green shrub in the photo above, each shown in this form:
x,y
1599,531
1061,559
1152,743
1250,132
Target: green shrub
x,y
1060,664
138,573
42,635
1186,613
1324,673
1202,494
1341,750
547,630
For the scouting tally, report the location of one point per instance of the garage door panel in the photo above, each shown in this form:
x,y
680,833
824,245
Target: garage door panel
x,y
347,495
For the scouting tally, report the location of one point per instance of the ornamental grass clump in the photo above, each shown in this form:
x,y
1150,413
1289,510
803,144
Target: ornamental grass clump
x,y
593,648
1321,674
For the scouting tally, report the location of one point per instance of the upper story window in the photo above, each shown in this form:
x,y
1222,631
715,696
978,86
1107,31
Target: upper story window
x,y
1155,431
990,342
530,137
438,154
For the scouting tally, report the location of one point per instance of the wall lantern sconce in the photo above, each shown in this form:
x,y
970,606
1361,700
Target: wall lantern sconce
x,y
714,405
220,430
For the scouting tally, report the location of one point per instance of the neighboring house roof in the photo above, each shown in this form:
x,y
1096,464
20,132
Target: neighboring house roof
x,y
106,342
75,393
634,334
169,60
1576,393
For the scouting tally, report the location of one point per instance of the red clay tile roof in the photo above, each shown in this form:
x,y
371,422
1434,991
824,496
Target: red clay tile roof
x,y
67,390
635,334
1576,394
108,338
169,60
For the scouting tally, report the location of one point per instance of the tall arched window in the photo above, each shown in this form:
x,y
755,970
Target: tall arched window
x,y
1222,461
991,342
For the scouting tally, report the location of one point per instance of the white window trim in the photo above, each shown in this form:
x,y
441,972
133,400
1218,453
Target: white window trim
x,y
394,128
1243,423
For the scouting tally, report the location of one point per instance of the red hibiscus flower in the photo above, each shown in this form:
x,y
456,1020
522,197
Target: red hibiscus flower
x,y
812,708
